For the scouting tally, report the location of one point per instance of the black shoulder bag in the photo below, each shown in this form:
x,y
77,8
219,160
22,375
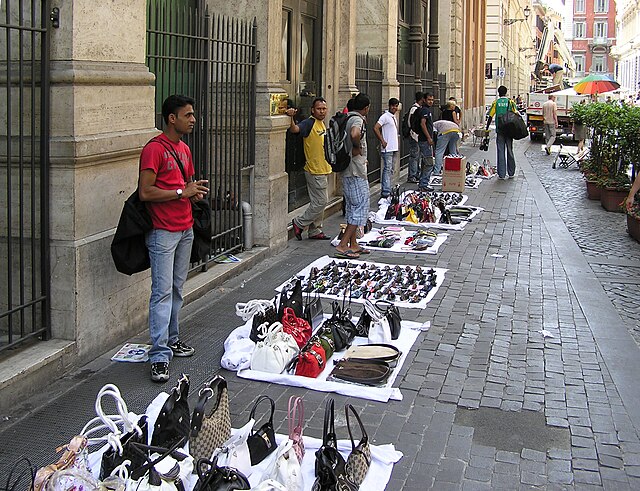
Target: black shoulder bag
x,y
174,421
262,442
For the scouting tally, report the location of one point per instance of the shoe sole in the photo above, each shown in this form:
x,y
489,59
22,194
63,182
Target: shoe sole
x,y
182,354
160,378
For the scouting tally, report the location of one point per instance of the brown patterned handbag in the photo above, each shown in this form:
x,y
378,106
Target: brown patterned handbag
x,y
210,431
359,459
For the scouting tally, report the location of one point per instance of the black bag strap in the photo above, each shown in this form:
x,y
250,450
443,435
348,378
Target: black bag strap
x,y
365,438
217,383
14,484
173,153
328,429
145,451
255,406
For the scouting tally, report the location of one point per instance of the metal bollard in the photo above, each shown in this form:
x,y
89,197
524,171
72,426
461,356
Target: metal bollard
x,y
247,225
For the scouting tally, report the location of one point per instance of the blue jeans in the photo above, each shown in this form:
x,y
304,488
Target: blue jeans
x,y
387,172
445,141
426,152
414,159
169,253
507,165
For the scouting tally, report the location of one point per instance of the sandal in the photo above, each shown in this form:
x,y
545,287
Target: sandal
x,y
362,250
346,255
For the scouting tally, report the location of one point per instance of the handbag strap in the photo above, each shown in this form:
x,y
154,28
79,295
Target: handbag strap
x,y
145,451
372,310
328,429
365,437
172,151
207,392
258,401
247,310
296,408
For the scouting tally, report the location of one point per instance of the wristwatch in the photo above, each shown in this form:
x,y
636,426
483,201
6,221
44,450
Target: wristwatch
x,y
179,193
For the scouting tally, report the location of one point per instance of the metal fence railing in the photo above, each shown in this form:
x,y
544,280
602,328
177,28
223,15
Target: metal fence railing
x,y
24,171
211,58
369,75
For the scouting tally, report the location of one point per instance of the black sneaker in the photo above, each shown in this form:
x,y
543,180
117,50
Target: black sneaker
x,y
181,350
160,371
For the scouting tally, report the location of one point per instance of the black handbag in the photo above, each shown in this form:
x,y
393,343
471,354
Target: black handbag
x,y
313,311
330,466
151,456
342,329
214,478
128,247
268,316
262,442
111,458
174,421
291,298
392,314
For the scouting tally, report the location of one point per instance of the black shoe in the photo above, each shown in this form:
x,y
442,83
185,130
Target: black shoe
x,y
181,350
297,231
428,189
160,372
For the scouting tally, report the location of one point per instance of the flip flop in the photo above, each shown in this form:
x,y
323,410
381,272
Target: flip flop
x,y
346,255
362,251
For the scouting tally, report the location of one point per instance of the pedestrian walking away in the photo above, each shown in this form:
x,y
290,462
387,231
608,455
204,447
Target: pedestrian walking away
x,y
168,196
425,142
386,130
316,169
506,165
355,183
448,136
550,115
415,159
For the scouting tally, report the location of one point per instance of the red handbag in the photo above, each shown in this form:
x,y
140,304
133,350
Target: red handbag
x,y
311,361
296,326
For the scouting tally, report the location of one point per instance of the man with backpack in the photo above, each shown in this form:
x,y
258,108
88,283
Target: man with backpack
x,y
355,182
504,142
424,128
412,139
316,169
386,130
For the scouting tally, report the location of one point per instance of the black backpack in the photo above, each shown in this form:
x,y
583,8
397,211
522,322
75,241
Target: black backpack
x,y
335,150
416,119
405,127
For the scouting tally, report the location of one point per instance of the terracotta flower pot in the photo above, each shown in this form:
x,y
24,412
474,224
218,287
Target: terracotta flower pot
x,y
633,227
593,190
610,199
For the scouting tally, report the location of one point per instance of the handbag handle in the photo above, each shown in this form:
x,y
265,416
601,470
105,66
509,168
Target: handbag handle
x,y
296,408
255,406
372,310
364,437
328,428
207,392
144,451
247,310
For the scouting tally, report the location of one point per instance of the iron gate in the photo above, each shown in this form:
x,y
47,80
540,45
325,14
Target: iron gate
x,y
369,76
24,170
211,58
406,75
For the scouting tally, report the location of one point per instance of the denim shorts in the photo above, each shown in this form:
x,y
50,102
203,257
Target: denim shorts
x,y
356,194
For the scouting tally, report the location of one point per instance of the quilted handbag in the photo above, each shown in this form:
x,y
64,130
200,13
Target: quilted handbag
x,y
295,417
311,361
359,459
276,350
211,477
330,466
392,313
210,431
173,422
262,442
298,327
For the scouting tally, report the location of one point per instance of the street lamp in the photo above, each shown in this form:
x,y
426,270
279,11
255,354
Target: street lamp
x,y
508,22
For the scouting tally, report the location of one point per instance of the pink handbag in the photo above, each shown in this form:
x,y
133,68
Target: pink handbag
x,y
296,408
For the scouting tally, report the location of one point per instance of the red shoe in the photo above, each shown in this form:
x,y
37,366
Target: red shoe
x,y
320,236
297,231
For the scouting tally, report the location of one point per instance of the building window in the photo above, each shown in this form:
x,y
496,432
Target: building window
x,y
578,6
599,29
579,61
601,6
579,29
598,64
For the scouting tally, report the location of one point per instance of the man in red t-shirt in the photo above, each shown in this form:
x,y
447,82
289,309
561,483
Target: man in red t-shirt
x,y
168,191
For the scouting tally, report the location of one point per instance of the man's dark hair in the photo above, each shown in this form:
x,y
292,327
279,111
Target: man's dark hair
x,y
350,104
173,103
502,91
360,102
317,99
393,102
428,94
419,96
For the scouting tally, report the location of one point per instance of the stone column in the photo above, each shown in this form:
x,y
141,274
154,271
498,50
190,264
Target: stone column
x,y
432,57
416,38
102,113
347,44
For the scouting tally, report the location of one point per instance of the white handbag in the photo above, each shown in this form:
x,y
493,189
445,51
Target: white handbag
x,y
276,349
269,485
235,451
379,330
282,467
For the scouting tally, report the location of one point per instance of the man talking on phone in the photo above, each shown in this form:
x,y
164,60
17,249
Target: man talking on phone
x,y
167,186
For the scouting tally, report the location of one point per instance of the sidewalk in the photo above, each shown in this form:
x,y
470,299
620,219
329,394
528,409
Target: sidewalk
x,y
488,402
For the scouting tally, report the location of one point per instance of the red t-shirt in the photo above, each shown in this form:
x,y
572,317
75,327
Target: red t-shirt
x,y
174,215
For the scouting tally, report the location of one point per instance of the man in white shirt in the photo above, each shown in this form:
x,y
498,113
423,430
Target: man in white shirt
x,y
550,114
386,130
